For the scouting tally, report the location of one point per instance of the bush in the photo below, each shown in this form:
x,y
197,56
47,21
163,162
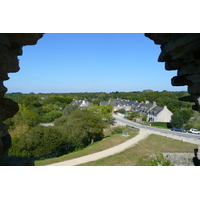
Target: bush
x,y
160,124
26,117
122,111
51,116
38,142
177,120
69,109
144,118
117,130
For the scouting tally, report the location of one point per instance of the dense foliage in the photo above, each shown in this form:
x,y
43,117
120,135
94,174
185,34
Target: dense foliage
x,y
75,129
170,99
181,118
73,132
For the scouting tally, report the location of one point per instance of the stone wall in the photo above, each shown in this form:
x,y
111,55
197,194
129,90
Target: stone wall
x,y
180,159
10,47
181,52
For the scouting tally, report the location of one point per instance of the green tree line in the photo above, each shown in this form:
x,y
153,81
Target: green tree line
x,y
75,129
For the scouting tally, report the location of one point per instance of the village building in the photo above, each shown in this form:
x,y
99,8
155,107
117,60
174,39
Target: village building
x,y
159,114
119,104
153,112
81,103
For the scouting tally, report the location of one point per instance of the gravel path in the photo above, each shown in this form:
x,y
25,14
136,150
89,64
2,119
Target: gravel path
x,y
105,153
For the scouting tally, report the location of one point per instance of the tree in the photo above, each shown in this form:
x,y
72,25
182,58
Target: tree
x,y
31,100
177,120
69,109
51,116
181,117
122,111
82,127
186,114
38,142
89,121
104,110
57,100
20,129
152,96
133,114
26,117
96,102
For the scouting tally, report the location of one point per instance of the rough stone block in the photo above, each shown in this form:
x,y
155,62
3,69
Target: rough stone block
x,y
194,89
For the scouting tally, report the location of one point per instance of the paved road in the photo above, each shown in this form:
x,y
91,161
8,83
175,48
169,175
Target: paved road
x,y
192,138
144,132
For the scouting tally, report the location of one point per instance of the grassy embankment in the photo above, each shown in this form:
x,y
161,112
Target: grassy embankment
x,y
107,142
145,153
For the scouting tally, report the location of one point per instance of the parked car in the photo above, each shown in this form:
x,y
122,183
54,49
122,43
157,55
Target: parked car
x,y
178,129
193,130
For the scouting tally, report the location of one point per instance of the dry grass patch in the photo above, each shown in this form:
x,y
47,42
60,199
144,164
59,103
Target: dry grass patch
x,y
145,153
107,142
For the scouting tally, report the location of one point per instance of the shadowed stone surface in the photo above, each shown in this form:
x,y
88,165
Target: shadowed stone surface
x,y
181,52
10,47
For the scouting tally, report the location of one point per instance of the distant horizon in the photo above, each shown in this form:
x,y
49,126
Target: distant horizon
x,y
92,92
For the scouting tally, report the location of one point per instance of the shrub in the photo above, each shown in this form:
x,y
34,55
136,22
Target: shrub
x,y
51,116
144,118
122,111
117,130
177,120
26,117
39,142
160,124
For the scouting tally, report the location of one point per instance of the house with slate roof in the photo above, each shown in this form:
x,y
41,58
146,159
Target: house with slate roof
x,y
80,103
154,113
119,104
143,107
159,114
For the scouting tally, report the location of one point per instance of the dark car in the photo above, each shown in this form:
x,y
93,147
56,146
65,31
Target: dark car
x,y
178,129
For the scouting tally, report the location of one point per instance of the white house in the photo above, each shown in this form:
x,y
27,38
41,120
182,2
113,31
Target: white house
x,y
81,103
159,114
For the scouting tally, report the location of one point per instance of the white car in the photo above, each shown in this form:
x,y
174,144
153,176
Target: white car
x,y
195,131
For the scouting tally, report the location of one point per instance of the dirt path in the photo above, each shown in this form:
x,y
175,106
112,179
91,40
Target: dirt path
x,y
105,153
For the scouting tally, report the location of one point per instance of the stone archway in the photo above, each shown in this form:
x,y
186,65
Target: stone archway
x,y
179,51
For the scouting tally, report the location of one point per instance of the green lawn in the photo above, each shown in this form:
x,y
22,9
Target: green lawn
x,y
107,142
145,153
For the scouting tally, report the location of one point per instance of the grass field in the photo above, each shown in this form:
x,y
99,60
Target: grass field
x,y
145,153
107,142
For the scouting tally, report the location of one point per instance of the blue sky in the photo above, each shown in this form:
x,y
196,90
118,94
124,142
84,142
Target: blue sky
x,y
91,62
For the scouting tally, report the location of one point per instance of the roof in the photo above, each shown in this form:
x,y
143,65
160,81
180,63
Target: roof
x,y
135,105
104,102
80,103
127,103
156,110
117,103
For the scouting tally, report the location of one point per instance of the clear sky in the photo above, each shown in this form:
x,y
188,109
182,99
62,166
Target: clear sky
x,y
91,62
